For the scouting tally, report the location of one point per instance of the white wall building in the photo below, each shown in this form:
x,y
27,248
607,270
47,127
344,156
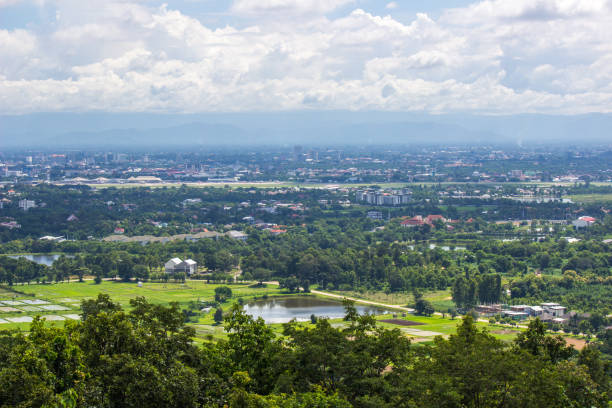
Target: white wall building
x,y
25,204
175,265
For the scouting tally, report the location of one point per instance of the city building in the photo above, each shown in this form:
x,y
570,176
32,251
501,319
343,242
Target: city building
x,y
584,222
239,235
25,204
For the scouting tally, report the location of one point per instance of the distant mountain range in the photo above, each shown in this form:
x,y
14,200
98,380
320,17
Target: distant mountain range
x,y
92,130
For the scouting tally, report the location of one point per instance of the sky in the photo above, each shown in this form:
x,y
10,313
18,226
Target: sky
x,y
494,57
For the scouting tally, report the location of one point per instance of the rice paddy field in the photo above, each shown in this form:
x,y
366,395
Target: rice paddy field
x,y
62,301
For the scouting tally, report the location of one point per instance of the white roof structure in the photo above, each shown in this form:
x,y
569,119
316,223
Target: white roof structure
x,y
190,262
236,234
175,261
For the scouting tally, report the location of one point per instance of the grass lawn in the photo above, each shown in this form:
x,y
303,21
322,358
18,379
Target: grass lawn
x,y
6,294
122,292
440,299
443,326
591,198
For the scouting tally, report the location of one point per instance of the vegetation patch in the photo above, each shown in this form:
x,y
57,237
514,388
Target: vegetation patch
x,y
505,331
578,344
402,322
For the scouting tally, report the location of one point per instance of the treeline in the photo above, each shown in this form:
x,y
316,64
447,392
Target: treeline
x,y
589,293
345,255
468,292
19,270
145,357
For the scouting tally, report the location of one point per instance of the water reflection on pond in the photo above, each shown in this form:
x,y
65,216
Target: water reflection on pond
x,y
40,259
282,310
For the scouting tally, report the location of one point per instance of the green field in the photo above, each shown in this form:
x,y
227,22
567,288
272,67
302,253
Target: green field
x,y
443,326
122,292
591,198
70,295
440,299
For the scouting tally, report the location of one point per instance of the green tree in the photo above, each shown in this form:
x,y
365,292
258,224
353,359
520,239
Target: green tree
x,y
218,316
535,341
424,307
125,268
222,293
141,272
261,275
251,347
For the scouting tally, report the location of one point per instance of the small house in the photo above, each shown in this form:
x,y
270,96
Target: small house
x,y
583,222
175,265
514,315
172,264
239,235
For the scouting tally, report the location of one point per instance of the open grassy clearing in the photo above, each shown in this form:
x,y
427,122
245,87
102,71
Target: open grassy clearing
x,y
440,299
6,294
591,198
122,292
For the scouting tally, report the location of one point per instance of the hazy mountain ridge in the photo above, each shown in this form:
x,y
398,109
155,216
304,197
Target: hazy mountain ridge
x,y
106,129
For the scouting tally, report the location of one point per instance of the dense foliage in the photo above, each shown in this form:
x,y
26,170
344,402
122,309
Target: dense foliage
x,y
144,357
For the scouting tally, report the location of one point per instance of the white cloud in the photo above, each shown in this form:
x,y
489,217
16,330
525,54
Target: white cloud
x,y
6,3
9,3
288,6
551,56
530,10
392,5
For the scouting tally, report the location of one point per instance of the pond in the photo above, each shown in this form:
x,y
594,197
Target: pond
x,y
282,310
39,259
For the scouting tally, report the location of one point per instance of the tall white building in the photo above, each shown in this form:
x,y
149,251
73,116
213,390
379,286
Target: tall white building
x,y
25,204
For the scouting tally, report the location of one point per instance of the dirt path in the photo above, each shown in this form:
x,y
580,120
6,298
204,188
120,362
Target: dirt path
x,y
578,344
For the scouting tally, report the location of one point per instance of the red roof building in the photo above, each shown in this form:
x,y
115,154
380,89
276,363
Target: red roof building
x,y
431,218
413,222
